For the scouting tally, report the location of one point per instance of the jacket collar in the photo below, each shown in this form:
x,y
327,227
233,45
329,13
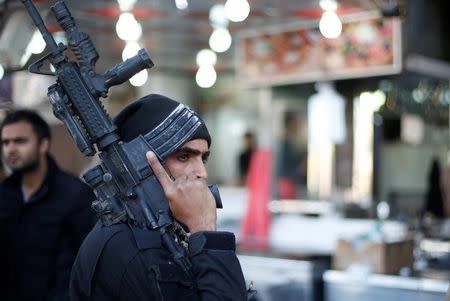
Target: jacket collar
x,y
15,181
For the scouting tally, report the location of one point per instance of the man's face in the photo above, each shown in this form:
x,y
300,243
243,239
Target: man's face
x,y
21,149
190,158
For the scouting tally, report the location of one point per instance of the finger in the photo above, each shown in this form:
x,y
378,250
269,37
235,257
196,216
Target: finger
x,y
158,170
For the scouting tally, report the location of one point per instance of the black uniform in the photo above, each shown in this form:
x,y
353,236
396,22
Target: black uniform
x,y
40,238
125,262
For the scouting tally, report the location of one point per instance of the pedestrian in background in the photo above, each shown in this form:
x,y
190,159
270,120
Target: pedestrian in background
x,y
245,156
44,213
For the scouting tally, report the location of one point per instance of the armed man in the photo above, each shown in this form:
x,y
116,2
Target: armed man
x,y
126,260
156,238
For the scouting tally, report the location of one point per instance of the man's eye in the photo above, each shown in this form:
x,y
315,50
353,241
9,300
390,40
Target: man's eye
x,y
183,157
20,140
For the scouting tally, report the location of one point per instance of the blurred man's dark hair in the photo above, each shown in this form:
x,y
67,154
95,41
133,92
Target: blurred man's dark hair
x,y
39,125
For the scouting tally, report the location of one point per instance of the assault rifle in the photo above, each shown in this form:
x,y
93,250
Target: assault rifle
x,y
124,174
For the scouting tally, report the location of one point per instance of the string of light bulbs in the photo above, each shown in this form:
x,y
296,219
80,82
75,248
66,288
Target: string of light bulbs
x,y
220,39
129,30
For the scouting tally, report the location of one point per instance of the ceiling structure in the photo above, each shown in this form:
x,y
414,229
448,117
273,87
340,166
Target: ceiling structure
x,y
173,37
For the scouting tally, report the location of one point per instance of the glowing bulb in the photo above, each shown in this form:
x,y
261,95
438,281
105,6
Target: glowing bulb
x,y
140,78
237,10
220,40
130,50
330,26
217,16
206,57
206,76
2,71
181,4
328,5
128,28
126,5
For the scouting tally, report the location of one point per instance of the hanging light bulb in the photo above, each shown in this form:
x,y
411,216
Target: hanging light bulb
x,y
217,16
206,57
128,28
130,50
328,5
2,71
126,5
237,10
330,26
206,76
220,40
181,4
139,79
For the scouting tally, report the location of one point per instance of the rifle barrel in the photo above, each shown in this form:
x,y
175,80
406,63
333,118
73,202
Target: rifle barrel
x,y
37,20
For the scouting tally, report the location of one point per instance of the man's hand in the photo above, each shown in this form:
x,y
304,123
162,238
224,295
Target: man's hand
x,y
189,197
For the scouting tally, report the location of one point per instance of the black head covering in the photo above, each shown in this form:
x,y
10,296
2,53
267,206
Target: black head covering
x,y
146,113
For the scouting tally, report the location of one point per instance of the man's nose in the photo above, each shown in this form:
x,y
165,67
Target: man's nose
x,y
200,169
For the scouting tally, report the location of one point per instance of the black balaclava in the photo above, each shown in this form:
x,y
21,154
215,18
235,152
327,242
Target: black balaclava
x,y
145,114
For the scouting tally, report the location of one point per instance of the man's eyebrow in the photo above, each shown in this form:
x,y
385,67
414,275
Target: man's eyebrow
x,y
193,151
14,139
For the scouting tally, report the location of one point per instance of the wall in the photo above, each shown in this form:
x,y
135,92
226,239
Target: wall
x,y
66,153
180,87
405,167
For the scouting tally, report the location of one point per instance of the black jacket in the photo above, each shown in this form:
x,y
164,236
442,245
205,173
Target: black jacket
x,y
39,239
124,262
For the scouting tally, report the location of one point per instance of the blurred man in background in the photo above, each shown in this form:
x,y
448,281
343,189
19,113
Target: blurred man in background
x,y
245,155
44,213
291,170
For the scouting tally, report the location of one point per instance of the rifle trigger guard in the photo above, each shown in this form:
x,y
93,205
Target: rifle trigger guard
x,y
36,66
